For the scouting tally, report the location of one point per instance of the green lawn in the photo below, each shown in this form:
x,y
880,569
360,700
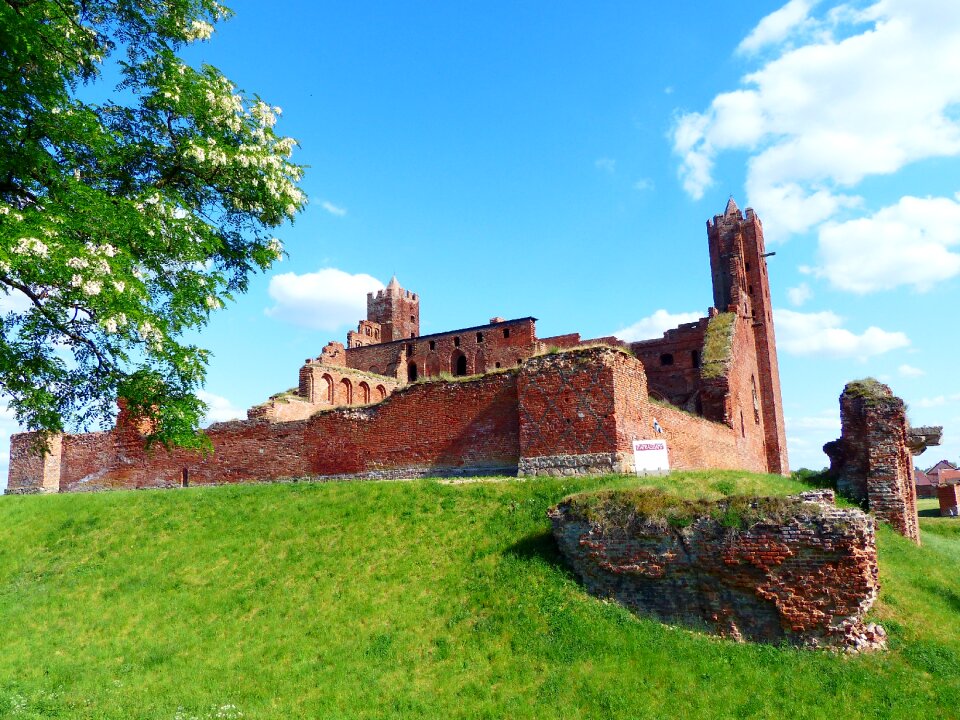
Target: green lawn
x,y
412,600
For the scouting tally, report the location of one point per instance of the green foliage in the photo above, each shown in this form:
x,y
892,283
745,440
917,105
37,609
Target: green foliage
x,y
717,345
124,224
397,600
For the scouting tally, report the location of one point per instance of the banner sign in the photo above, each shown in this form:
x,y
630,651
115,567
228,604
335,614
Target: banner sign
x,y
650,457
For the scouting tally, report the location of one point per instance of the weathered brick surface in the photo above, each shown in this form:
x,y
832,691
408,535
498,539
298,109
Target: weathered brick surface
x,y
949,497
807,580
565,413
871,461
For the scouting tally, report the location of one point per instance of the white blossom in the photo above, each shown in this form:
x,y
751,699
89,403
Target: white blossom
x,y
31,246
110,325
199,30
276,247
92,287
76,280
77,263
119,285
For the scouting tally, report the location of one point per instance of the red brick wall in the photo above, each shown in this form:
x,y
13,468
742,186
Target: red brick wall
x,y
562,413
805,576
679,381
485,348
871,461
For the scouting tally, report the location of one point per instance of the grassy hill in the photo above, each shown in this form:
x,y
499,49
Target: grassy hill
x,y
409,600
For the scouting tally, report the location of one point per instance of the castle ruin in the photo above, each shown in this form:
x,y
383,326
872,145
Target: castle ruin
x,y
487,399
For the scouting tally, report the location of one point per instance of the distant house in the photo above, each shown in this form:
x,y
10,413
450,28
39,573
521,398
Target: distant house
x,y
925,486
942,465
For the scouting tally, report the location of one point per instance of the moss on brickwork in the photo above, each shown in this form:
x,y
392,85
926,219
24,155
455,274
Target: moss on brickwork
x,y
868,389
637,507
717,345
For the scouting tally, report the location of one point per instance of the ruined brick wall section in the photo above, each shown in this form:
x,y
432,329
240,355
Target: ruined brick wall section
x,y
484,348
807,581
567,411
871,461
672,364
30,472
438,428
694,443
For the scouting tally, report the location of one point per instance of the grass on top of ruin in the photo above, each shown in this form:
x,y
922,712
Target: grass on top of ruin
x,y
410,600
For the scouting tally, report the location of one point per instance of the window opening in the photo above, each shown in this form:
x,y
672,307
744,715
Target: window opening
x,y
695,358
506,332
666,359
456,342
412,372
184,478
461,368
479,337
433,345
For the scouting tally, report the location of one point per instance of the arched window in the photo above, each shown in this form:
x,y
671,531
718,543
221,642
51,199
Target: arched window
x,y
364,393
412,372
327,389
346,392
381,392
461,366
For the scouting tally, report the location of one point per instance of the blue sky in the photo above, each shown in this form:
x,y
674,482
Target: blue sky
x,y
561,159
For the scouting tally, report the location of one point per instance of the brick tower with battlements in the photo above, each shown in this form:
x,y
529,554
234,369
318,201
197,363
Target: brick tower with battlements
x,y
396,310
738,264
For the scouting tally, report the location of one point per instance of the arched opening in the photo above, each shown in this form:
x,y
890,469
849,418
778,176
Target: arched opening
x,y
412,372
381,392
327,389
432,365
364,393
346,392
458,364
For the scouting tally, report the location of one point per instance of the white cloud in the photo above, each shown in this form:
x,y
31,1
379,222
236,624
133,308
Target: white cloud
x,y
606,164
800,294
910,371
328,299
860,93
821,334
219,409
655,325
333,209
643,184
904,244
938,401
776,26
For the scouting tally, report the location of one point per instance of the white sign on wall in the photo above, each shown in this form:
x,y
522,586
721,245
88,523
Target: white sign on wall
x,y
650,457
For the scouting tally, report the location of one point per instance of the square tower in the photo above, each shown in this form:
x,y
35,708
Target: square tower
x,y
396,310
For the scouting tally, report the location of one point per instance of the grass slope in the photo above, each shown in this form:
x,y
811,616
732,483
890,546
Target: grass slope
x,y
421,599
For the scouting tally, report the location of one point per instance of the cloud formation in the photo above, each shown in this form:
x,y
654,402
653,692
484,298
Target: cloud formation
x,y
333,209
328,299
653,326
852,93
905,244
910,371
219,409
799,295
821,333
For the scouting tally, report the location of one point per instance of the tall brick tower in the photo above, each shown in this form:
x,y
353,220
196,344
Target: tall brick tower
x,y
397,310
740,284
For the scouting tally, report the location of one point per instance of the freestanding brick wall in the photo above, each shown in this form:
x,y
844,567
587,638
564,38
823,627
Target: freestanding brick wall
x,y
871,461
800,572
571,412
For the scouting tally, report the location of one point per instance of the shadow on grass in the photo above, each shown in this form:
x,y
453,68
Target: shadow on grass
x,y
538,546
929,512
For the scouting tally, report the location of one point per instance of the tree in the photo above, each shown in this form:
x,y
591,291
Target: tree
x,y
125,223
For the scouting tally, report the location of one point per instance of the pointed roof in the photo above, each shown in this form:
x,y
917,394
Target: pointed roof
x,y
731,207
394,284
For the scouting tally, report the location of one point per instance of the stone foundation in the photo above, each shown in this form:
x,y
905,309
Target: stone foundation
x,y
783,571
